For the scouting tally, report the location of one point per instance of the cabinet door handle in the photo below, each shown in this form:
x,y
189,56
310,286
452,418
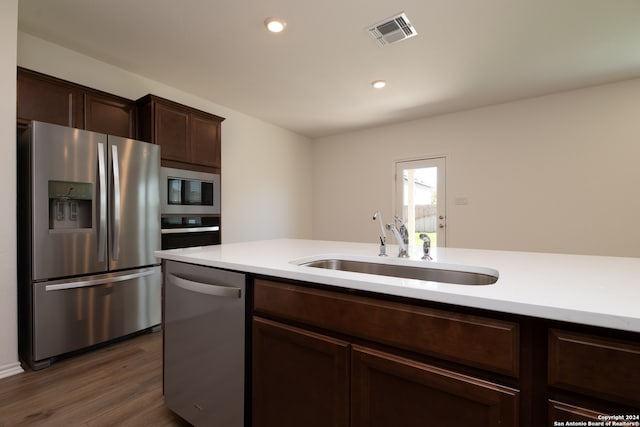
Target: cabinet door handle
x,y
205,288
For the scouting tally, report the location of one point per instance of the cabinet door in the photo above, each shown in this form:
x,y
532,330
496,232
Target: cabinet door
x,y
299,378
109,114
172,132
601,367
48,100
390,391
205,141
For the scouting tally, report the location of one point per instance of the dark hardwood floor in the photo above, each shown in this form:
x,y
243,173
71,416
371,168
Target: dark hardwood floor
x,y
117,385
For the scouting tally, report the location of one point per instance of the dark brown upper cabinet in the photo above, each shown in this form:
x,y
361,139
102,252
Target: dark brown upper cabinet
x,y
109,114
47,99
52,100
189,138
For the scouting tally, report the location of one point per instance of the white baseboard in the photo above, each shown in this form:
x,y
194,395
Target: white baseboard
x,y
10,369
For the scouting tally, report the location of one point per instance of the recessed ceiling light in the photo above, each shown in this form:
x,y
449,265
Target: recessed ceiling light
x,y
275,25
378,84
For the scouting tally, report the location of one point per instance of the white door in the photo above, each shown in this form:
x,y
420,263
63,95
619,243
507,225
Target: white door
x,y
420,199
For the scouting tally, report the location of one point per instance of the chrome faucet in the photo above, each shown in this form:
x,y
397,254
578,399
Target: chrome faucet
x,y
426,247
399,230
383,236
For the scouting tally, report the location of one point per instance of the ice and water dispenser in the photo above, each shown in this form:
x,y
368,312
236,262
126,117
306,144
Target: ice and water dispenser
x,y
70,205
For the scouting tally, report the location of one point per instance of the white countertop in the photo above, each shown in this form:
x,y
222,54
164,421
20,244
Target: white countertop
x,y
592,290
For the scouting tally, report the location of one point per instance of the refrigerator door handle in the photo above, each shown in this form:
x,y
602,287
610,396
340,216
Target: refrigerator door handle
x,y
205,288
116,203
101,281
102,216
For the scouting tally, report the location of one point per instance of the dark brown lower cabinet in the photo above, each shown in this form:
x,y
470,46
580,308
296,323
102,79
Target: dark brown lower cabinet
x,y
589,368
389,391
300,378
338,358
595,366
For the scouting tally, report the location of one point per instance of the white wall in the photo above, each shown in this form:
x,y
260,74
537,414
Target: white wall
x,y
8,306
266,170
558,173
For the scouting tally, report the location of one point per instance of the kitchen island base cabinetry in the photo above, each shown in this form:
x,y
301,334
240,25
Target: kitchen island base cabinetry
x,y
413,363
302,375
601,374
304,378
300,378
388,390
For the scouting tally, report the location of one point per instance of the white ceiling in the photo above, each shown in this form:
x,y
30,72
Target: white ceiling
x,y
315,78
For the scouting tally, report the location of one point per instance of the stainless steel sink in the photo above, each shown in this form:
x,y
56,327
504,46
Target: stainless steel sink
x,y
406,271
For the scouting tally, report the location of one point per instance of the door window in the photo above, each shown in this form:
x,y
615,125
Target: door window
x,y
420,198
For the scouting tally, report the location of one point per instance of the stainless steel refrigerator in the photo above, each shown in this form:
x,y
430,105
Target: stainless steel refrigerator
x,y
88,224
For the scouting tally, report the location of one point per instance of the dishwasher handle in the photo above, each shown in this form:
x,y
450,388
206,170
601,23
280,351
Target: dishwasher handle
x,y
205,288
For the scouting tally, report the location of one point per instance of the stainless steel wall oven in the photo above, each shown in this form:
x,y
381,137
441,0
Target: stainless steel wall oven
x,y
190,208
187,231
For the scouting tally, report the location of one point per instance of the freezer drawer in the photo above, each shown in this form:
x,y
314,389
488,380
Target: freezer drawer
x,y
73,314
204,344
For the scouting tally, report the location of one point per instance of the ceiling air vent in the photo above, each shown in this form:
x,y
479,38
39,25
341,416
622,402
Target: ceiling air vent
x,y
392,30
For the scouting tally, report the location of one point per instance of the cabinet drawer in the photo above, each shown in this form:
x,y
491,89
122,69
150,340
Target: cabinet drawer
x,y
475,341
600,367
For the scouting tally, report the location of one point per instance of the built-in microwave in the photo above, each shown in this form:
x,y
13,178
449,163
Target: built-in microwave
x,y
185,192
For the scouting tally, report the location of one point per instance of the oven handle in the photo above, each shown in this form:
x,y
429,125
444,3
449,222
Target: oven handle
x,y
189,230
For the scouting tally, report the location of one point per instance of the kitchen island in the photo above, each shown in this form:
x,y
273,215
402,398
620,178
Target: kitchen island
x,y
554,339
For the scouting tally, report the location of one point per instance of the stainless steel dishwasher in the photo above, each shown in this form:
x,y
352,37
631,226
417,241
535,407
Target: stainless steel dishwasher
x,y
204,344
